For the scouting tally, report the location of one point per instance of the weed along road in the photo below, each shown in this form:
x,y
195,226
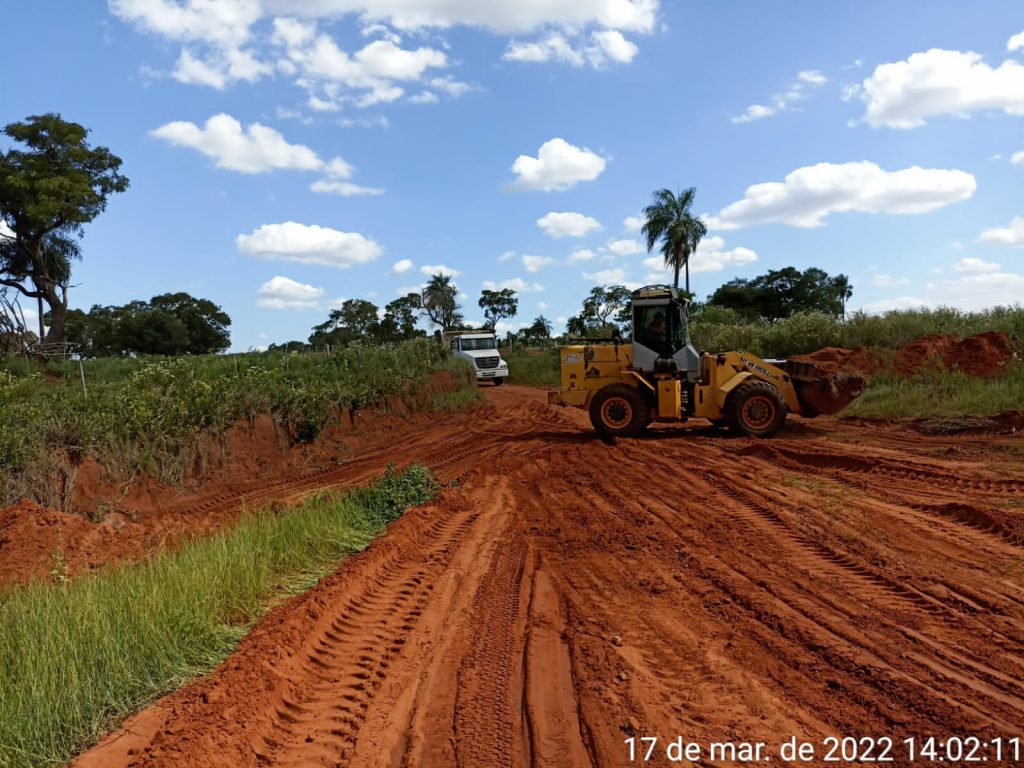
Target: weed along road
x,y
682,596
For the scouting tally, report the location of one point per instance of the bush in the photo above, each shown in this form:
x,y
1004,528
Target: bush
x,y
147,415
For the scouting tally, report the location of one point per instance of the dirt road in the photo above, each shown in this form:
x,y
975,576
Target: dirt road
x,y
565,594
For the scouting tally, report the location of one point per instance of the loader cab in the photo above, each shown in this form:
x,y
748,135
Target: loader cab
x,y
661,332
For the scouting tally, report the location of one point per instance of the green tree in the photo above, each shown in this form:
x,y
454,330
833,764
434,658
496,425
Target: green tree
x,y
540,329
668,220
498,305
206,324
354,321
606,307
843,290
439,301
399,321
781,293
48,193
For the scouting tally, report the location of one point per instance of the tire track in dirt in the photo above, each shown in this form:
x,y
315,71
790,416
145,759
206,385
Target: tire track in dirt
x,y
566,593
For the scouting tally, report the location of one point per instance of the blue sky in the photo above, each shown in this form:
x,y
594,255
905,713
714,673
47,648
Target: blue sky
x,y
287,155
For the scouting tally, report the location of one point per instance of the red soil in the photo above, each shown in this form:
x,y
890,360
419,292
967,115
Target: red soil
x,y
248,467
985,355
844,579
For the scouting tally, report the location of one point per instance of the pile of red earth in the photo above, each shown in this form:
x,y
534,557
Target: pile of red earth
x,y
985,355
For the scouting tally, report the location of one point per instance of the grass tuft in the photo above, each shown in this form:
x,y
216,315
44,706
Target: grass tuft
x,y
76,657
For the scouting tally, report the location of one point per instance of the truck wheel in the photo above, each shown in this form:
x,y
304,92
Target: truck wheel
x,y
618,410
756,409
498,382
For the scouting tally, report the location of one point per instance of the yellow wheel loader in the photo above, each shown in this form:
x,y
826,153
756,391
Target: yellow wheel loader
x,y
659,376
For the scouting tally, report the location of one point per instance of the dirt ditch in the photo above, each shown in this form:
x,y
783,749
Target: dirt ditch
x,y
566,594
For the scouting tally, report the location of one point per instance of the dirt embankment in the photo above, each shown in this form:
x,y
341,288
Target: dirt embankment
x,y
985,355
249,466
843,579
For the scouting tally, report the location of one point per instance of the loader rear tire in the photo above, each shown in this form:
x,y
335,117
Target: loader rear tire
x,y
619,410
755,408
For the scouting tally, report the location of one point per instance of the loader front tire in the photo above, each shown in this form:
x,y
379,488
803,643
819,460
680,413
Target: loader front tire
x,y
755,408
619,410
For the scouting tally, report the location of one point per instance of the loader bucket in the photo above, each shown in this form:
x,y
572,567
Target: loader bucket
x,y
821,392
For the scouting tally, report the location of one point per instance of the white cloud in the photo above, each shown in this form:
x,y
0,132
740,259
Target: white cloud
x,y
812,77
507,256
219,22
439,269
980,290
559,165
888,305
711,256
284,293
626,247
500,16
904,94
1016,43
885,281
256,149
371,75
260,149
401,266
542,305
567,224
606,46
808,195
1017,158
313,244
5,229
424,97
343,188
1012,235
633,223
581,255
219,69
786,101
536,263
971,264
614,276
516,284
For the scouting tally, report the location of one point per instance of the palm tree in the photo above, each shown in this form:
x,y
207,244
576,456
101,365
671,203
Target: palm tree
x,y
669,220
843,289
439,301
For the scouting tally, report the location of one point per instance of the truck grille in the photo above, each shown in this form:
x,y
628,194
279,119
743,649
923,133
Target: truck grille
x,y
487,362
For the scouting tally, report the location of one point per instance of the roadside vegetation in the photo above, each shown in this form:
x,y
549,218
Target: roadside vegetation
x,y
155,415
76,657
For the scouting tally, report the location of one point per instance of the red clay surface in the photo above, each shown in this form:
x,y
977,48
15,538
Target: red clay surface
x,y
985,355
841,579
249,467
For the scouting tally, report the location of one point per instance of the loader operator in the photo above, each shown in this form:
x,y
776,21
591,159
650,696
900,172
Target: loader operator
x,y
656,331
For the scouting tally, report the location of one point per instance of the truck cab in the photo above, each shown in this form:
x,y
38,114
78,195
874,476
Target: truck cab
x,y
479,349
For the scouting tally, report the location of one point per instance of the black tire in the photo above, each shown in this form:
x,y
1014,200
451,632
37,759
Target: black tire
x,y
618,410
755,408
498,382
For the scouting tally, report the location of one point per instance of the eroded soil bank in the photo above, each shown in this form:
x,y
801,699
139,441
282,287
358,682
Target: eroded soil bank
x,y
845,578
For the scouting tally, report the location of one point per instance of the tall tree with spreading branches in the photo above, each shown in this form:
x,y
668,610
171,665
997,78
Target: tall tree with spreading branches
x,y
49,191
440,302
670,222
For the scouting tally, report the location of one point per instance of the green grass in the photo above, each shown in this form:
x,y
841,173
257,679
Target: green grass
x,y
76,657
941,394
535,367
150,416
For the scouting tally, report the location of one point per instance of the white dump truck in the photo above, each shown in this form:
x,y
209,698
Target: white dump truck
x,y
480,349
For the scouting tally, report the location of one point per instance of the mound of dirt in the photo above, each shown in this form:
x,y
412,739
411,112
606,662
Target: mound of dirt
x,y
984,355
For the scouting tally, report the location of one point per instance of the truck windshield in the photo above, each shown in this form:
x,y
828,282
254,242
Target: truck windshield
x,y
471,345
